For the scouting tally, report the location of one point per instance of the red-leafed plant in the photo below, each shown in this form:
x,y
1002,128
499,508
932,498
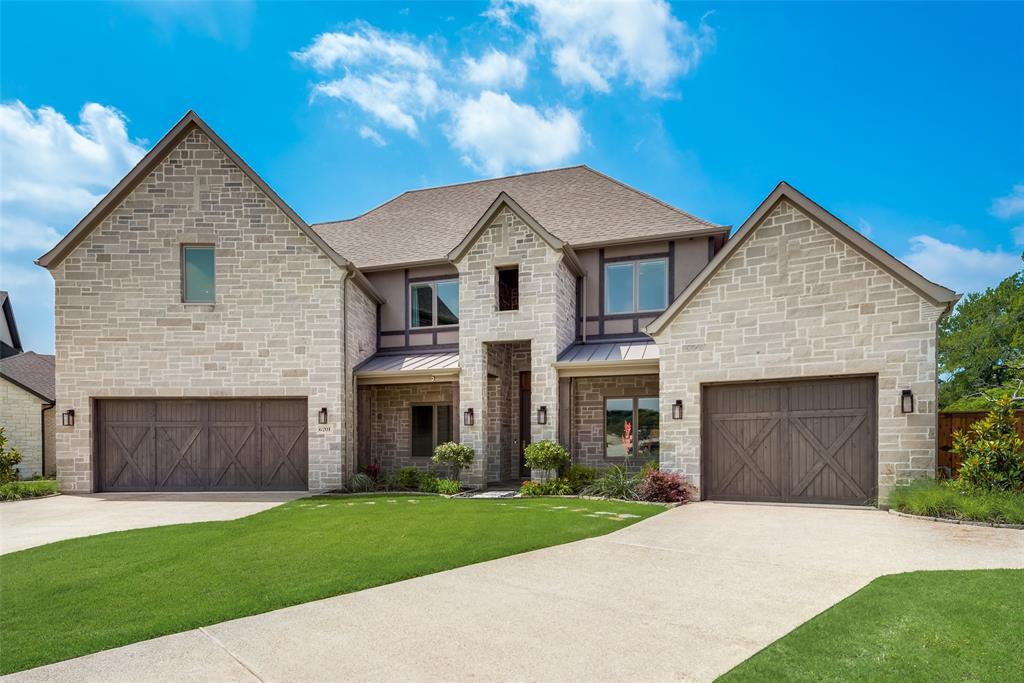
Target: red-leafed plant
x,y
373,470
664,487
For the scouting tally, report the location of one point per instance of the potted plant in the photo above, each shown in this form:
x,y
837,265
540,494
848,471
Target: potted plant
x,y
456,455
546,457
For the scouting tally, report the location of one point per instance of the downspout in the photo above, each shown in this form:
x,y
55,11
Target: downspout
x,y
42,440
344,376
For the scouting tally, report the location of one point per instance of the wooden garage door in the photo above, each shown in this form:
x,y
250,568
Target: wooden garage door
x,y
202,445
808,441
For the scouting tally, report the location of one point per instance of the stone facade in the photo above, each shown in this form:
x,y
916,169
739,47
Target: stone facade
x,y
546,318
122,329
360,325
588,414
390,422
23,423
795,301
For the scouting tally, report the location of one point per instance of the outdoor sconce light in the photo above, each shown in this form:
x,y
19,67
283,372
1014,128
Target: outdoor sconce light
x,y
67,418
907,401
467,417
322,416
542,415
677,409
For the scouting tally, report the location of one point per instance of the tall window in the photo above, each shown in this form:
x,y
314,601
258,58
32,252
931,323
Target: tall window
x,y
635,286
197,274
508,288
631,428
431,425
434,304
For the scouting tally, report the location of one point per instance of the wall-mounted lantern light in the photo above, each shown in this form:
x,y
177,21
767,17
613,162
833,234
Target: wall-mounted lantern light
x,y
321,417
677,410
542,415
467,417
67,418
907,401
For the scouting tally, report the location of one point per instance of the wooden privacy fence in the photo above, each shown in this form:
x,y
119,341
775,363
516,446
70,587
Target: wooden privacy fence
x,y
948,462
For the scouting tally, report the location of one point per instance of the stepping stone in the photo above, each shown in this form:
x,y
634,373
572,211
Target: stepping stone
x,y
628,515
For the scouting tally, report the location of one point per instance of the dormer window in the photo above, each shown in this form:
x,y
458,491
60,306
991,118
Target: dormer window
x,y
636,286
434,304
508,288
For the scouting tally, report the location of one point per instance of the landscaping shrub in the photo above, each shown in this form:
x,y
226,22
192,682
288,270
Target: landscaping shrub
x,y
551,487
449,487
428,482
16,490
372,470
458,455
648,467
993,454
616,482
361,483
546,455
9,458
664,487
580,477
931,498
409,478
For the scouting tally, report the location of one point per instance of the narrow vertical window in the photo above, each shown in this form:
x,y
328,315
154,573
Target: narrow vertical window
x,y
618,288
198,274
508,289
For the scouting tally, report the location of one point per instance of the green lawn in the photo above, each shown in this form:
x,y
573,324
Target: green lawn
x,y
87,594
921,626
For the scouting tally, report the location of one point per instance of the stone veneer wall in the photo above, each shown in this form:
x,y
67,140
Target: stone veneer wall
x,y
360,343
546,318
795,301
390,415
122,329
589,394
23,424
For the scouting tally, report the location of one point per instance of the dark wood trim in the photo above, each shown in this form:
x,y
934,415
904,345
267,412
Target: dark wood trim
x,y
671,271
434,278
638,257
425,348
406,311
711,247
600,291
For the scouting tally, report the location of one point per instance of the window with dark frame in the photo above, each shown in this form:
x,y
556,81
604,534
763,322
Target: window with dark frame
x,y
434,304
198,274
632,428
431,425
636,286
508,288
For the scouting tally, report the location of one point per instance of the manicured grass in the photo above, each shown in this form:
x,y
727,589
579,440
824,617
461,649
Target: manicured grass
x,y
17,490
938,499
83,595
921,626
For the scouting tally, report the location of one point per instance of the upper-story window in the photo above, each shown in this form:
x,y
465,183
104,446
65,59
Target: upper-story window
x,y
197,274
434,304
636,286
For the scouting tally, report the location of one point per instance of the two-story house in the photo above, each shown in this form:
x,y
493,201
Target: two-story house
x,y
208,338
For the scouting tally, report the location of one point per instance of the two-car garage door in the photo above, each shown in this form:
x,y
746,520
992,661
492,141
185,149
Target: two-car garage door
x,y
200,445
807,441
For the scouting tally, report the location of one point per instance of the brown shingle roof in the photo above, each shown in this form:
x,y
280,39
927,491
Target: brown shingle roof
x,y
578,205
32,371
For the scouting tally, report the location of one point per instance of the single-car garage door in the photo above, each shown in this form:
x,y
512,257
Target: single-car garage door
x,y
806,441
201,445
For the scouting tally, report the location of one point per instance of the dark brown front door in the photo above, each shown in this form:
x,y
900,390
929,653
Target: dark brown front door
x,y
200,445
524,421
807,441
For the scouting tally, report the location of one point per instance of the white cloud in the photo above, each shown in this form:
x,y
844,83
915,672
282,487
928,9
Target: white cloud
x,y
395,101
20,233
594,43
367,133
959,268
496,69
497,134
364,45
1018,235
1011,205
865,228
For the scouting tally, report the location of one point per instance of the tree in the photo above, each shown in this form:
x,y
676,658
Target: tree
x,y
981,346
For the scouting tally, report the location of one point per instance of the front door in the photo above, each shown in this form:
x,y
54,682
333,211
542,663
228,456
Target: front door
x,y
524,421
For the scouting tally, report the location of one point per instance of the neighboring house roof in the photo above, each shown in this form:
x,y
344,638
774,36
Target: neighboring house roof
x,y
12,327
578,205
409,366
937,294
31,371
166,145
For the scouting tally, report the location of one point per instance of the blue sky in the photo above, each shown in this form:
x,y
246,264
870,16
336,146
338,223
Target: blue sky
x,y
906,120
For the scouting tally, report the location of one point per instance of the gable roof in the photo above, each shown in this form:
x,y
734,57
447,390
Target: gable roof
x,y
7,310
503,201
33,372
165,146
578,204
937,294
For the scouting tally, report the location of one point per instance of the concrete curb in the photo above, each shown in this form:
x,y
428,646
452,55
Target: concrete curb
x,y
965,522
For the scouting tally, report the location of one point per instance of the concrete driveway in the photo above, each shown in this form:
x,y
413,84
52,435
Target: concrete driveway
x,y
28,523
683,596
